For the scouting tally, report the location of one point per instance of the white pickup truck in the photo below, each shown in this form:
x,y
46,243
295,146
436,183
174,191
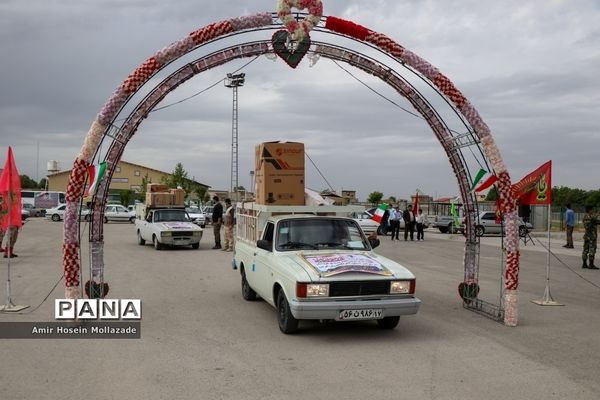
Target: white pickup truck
x,y
314,263
166,226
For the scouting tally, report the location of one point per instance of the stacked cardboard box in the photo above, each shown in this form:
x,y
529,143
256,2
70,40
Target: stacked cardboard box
x,y
158,195
280,173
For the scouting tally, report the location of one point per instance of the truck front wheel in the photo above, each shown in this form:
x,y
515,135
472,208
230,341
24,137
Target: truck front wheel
x,y
156,243
388,322
141,241
287,322
247,292
196,246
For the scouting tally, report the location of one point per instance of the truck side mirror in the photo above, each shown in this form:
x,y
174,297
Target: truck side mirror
x,y
374,243
265,245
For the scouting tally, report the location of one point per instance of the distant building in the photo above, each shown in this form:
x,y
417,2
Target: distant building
x,y
350,196
127,176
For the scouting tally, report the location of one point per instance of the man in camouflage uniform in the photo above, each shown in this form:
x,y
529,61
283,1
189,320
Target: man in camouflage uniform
x,y
590,237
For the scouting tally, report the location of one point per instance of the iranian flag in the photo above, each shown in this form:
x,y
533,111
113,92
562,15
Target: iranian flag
x,y
96,174
480,184
379,213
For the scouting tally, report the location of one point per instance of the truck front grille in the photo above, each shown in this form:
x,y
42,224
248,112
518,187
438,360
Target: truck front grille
x,y
358,288
181,233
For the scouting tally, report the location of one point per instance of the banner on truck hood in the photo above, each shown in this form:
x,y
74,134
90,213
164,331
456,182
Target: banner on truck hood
x,y
333,264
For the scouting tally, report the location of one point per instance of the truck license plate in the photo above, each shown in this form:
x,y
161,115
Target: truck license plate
x,y
346,315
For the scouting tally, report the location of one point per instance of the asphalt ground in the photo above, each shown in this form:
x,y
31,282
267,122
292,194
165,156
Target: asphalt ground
x,y
201,340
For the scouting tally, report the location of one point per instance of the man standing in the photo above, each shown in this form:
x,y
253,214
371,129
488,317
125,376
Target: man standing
x,y
409,223
217,220
590,237
228,222
570,222
383,227
420,225
395,216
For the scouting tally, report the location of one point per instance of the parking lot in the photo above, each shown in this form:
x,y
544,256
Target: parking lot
x,y
201,340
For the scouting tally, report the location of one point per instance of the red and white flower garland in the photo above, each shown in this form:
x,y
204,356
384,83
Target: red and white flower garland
x,y
299,30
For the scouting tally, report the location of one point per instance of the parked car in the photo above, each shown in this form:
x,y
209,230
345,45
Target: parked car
x,y
365,221
207,210
24,214
57,213
32,210
196,216
117,212
487,224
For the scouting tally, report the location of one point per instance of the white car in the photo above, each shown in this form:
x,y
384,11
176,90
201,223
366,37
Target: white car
x,y
57,213
196,216
365,221
117,212
313,267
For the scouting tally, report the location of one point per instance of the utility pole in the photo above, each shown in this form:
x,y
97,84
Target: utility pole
x,y
234,81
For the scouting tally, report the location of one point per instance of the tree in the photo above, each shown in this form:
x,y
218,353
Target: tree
x,y
28,183
145,181
492,195
178,178
126,196
374,198
393,199
201,194
43,183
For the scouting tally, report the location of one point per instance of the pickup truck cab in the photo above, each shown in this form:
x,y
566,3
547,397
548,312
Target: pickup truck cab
x,y
166,227
313,263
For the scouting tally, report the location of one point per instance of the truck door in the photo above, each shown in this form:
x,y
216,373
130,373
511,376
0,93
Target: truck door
x,y
260,275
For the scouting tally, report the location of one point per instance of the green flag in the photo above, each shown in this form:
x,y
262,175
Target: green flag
x,y
478,177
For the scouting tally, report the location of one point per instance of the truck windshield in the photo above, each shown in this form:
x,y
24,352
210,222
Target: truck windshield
x,y
321,233
170,216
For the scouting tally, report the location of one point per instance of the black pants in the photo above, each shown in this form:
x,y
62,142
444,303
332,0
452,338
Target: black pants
x,y
409,227
383,227
420,232
395,229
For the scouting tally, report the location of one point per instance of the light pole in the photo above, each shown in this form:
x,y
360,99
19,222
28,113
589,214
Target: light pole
x,y
234,81
252,183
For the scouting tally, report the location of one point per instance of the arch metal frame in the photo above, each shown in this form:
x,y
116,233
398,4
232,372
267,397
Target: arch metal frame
x,y
104,128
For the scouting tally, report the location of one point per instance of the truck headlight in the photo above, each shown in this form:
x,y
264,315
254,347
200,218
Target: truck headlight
x,y
312,289
196,233
166,233
402,287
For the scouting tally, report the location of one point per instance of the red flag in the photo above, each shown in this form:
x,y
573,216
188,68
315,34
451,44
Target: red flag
x,y
416,206
10,190
535,188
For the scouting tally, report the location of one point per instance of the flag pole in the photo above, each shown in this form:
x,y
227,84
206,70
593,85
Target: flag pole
x,y
547,299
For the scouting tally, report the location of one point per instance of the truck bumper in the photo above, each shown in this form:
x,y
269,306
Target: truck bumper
x,y
331,309
180,241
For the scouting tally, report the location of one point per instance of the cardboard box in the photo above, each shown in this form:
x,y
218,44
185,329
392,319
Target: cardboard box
x,y
178,197
279,173
156,187
159,199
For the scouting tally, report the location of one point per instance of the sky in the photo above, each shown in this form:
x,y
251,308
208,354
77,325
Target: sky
x,y
529,67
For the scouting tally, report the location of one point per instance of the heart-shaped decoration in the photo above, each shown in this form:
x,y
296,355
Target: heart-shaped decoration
x,y
95,290
291,57
468,291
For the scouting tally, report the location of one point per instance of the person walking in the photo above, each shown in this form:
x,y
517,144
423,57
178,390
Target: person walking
x,y
570,222
395,216
217,220
420,225
590,237
228,222
409,223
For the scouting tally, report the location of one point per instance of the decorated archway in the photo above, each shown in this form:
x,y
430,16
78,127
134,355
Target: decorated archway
x,y
291,45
